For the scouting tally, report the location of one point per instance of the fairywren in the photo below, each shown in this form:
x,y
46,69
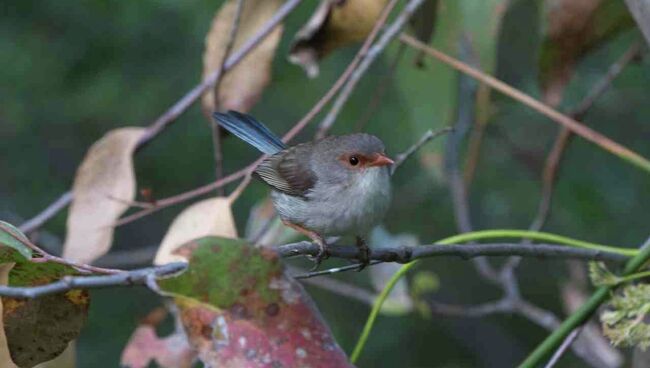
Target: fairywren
x,y
338,185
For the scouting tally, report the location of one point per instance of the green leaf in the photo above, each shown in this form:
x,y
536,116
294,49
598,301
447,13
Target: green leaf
x,y
600,275
6,238
624,321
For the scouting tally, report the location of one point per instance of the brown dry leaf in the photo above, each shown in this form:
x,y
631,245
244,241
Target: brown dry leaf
x,y
334,24
208,217
67,359
241,87
573,28
103,188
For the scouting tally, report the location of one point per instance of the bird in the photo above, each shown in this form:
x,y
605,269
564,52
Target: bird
x,y
333,186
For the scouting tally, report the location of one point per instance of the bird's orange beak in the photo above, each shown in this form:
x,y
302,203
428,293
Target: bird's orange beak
x,y
380,160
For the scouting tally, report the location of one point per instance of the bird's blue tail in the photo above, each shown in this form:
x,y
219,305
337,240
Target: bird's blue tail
x,y
250,130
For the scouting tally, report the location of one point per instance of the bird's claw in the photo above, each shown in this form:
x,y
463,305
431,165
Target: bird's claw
x,y
320,256
364,254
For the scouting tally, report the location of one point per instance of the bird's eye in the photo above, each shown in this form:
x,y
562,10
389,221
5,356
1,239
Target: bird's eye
x,y
354,160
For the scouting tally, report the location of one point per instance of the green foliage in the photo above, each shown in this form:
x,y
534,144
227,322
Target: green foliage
x,y
600,275
624,322
223,271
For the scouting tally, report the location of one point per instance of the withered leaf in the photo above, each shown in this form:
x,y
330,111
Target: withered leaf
x,y
239,309
208,217
334,24
103,188
242,86
145,346
574,27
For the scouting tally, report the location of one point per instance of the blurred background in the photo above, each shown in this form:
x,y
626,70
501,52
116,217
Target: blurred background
x,y
72,71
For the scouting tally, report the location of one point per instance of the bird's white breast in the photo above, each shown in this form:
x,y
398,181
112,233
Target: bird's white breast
x,y
339,209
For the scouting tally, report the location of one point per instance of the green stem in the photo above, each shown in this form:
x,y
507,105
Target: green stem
x,y
464,238
553,341
632,277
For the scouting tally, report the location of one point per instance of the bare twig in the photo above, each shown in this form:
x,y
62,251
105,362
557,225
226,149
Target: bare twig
x,y
301,124
178,108
338,287
331,271
145,276
376,49
403,254
216,129
43,256
576,127
45,215
380,91
560,351
428,136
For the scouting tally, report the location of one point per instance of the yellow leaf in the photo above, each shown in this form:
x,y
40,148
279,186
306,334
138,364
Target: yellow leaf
x,y
103,188
242,86
334,24
209,217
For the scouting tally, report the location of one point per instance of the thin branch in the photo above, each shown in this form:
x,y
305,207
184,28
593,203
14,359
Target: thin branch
x,y
428,136
375,51
403,254
565,345
331,271
575,126
169,116
45,215
301,124
145,276
338,287
380,90
216,129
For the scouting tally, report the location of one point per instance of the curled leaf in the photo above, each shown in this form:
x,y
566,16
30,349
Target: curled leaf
x,y
600,275
239,309
103,188
334,24
241,87
8,237
574,27
208,217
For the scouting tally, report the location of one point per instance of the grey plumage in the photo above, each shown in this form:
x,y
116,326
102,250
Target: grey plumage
x,y
312,185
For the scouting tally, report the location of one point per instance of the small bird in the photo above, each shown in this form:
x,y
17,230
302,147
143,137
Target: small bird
x,y
335,186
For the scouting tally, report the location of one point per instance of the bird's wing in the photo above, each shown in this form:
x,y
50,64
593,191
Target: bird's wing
x,y
288,171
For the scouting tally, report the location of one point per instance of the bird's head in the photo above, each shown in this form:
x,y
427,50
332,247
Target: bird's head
x,y
351,157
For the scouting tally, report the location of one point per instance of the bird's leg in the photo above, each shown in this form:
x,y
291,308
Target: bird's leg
x,y
364,253
316,238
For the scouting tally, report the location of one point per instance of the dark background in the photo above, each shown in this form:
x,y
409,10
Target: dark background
x,y
71,71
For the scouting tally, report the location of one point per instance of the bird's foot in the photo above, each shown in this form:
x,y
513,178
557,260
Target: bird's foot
x,y
364,253
321,255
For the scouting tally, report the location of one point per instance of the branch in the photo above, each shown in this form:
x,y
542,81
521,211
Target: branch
x,y
216,129
375,51
575,126
428,136
402,254
169,116
565,345
144,276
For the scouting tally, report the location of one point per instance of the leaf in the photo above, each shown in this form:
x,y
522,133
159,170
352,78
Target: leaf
x,y
239,309
242,86
208,217
10,241
574,27
5,355
38,330
600,275
103,188
67,359
145,347
334,24
624,322
640,10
